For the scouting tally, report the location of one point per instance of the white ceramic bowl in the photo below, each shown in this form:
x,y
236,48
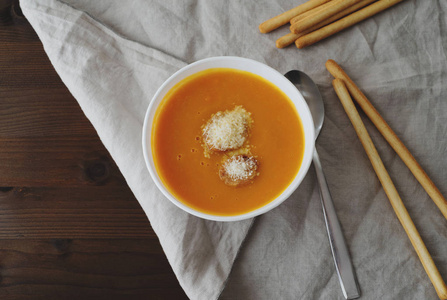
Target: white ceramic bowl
x,y
246,65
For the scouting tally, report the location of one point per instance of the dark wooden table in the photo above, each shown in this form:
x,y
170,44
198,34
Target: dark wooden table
x,y
70,228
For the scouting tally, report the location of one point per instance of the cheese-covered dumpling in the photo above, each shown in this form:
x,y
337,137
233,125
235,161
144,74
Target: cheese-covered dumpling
x,y
238,170
227,130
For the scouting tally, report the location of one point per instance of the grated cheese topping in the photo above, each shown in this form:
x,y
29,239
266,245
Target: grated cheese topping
x,y
227,130
239,169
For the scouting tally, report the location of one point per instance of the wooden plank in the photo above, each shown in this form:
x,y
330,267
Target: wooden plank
x,y
100,212
77,269
23,62
41,112
48,161
24,65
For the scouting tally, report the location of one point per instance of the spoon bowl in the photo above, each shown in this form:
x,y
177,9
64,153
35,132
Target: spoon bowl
x,y
311,94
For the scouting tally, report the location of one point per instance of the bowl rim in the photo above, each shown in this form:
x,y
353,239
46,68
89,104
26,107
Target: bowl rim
x,y
309,140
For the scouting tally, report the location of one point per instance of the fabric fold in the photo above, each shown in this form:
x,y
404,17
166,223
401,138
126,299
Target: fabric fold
x,y
114,79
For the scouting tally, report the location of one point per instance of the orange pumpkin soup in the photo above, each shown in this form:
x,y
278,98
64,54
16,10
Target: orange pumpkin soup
x,y
276,140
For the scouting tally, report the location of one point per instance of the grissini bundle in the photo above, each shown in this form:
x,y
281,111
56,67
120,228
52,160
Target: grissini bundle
x,y
285,17
390,136
344,23
390,189
291,37
322,14
322,20
337,16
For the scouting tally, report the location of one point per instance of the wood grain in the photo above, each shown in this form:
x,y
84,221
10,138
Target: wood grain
x,y
85,269
39,111
70,228
49,212
50,161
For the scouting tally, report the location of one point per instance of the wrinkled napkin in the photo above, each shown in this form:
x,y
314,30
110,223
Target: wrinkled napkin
x,y
113,56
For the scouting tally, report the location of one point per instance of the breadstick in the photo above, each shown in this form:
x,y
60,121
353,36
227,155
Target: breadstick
x,y
390,136
344,23
286,40
390,189
335,17
291,37
285,17
309,12
318,16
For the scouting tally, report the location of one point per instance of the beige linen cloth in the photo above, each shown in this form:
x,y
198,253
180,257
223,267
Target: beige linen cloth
x,y
113,55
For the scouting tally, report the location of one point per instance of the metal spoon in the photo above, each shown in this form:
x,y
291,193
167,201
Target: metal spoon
x,y
343,265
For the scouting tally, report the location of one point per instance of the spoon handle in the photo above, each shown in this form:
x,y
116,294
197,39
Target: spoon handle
x,y
343,264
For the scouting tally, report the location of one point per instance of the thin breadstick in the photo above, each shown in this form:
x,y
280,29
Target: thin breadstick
x,y
285,17
344,23
291,37
318,16
335,17
286,40
309,12
390,189
390,136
